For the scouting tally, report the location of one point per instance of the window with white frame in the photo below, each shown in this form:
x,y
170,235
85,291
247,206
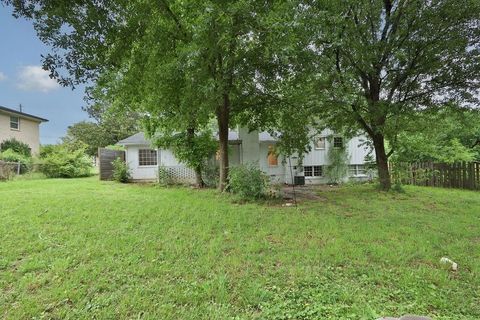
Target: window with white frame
x,y
14,123
357,170
313,171
319,143
337,142
147,157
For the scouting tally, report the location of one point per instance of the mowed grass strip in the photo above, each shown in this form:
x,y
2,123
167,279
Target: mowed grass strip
x,y
80,248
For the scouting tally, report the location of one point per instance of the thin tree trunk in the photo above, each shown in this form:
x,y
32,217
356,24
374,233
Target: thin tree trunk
x,y
382,162
223,115
198,170
198,178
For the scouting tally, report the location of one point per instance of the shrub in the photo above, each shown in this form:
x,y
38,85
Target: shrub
x,y
11,155
248,181
121,171
16,146
211,175
47,149
337,169
7,171
61,162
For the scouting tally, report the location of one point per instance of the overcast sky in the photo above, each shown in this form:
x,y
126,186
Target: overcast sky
x,y
22,80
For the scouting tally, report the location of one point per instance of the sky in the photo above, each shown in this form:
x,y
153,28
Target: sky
x,y
23,81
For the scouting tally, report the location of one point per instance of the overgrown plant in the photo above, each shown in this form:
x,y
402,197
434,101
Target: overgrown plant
x,y
10,155
61,162
16,146
210,175
7,171
191,148
337,167
248,182
121,171
163,176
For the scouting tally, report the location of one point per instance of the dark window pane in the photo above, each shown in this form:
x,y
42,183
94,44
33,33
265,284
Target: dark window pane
x,y
147,157
308,171
317,171
338,142
14,123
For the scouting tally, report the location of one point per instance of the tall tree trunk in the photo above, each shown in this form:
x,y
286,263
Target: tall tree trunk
x,y
382,161
223,115
198,169
198,178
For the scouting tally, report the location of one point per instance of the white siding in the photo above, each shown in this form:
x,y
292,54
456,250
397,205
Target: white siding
x,y
234,155
276,173
319,157
139,172
252,150
357,150
168,159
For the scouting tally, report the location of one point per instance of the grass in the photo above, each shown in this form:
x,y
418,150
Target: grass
x,y
80,248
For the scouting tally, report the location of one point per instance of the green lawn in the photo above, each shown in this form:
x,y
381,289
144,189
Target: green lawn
x,y
81,248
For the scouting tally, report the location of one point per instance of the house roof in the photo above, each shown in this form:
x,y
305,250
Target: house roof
x,y
136,139
21,114
139,138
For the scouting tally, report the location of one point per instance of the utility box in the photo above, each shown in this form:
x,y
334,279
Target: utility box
x,y
299,180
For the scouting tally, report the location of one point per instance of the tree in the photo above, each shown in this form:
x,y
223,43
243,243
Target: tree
x,y
86,135
91,136
372,65
16,146
193,149
109,41
452,138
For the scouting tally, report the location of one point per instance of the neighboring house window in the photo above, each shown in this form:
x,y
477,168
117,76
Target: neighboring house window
x,y
357,170
15,123
272,157
337,142
319,143
147,157
313,171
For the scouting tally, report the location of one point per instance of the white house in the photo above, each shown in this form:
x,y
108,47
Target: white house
x,y
250,147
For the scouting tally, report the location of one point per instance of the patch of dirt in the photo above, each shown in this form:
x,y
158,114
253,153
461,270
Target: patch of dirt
x,y
303,193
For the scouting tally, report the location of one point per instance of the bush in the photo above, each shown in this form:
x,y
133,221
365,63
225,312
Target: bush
x,y
47,149
121,171
248,181
61,162
7,171
164,178
16,146
211,175
11,155
337,168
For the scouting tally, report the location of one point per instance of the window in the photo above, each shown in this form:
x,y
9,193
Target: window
x,y
313,171
337,142
319,143
356,170
15,123
147,157
272,157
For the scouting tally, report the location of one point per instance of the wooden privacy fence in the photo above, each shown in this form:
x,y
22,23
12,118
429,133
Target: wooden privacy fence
x,y
460,175
105,163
